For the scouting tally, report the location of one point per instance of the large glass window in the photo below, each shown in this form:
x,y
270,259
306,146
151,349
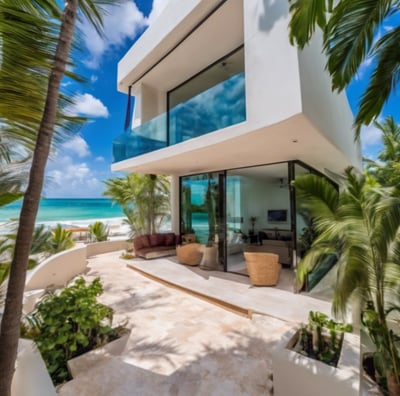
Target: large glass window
x,y
304,230
200,214
212,100
257,213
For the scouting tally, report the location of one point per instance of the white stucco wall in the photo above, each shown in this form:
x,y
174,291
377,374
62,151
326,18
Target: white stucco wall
x,y
159,39
57,269
289,103
271,64
92,249
31,377
329,112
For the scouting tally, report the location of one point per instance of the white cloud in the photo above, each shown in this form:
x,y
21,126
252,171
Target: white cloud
x,y
66,178
87,105
370,136
121,22
371,141
77,145
100,159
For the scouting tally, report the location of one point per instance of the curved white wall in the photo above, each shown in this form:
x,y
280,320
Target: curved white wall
x,y
59,269
107,246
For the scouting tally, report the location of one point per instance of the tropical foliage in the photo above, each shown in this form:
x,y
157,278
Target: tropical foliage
x,y
144,200
321,338
354,31
360,224
98,231
386,169
36,39
69,324
61,239
44,244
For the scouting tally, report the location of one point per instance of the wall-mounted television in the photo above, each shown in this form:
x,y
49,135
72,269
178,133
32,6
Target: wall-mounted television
x,y
277,215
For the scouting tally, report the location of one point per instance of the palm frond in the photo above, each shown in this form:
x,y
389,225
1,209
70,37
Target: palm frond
x,y
350,35
383,80
306,16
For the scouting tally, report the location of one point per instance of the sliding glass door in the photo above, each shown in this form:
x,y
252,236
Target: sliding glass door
x,y
258,214
202,208
246,209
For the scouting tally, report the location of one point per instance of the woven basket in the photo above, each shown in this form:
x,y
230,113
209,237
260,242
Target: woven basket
x,y
190,254
263,268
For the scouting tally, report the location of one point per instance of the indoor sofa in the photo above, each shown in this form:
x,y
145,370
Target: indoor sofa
x,y
150,246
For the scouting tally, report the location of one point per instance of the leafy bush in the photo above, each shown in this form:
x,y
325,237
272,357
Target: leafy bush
x,y
98,231
322,338
61,240
69,324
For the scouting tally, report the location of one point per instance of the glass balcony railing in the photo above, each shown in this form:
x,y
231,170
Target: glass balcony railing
x,y
214,109
148,137
221,106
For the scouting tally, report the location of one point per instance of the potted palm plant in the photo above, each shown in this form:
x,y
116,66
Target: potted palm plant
x,y
320,339
360,223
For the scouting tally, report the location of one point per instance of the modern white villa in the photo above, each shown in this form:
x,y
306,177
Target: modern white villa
x,y
232,112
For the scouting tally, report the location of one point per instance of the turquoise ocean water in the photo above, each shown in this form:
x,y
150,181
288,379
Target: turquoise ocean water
x,y
69,211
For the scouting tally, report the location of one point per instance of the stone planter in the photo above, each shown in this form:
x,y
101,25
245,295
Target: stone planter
x,y
89,359
295,374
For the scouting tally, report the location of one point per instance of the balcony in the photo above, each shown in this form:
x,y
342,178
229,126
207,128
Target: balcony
x,y
216,108
148,137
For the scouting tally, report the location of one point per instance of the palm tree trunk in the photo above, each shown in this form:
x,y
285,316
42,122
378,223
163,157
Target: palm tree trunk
x,y
10,325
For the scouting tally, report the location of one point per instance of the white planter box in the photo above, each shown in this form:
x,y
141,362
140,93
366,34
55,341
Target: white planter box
x,y
295,374
89,359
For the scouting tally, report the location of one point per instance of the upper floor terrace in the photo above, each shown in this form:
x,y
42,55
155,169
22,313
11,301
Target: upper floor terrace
x,y
219,76
212,100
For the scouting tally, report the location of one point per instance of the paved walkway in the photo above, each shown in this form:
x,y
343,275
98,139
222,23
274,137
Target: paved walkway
x,y
183,345
235,289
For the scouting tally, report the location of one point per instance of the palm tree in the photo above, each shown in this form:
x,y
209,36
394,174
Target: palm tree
x,y
143,198
99,231
350,31
61,239
361,225
41,17
387,168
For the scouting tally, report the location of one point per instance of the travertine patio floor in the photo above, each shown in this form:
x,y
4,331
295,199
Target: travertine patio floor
x,y
181,344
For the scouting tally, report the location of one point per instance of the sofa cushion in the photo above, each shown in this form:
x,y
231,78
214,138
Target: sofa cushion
x,y
156,239
170,239
156,252
140,242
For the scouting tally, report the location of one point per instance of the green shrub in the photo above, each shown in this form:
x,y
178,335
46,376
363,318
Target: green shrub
x,y
98,231
322,338
61,240
69,324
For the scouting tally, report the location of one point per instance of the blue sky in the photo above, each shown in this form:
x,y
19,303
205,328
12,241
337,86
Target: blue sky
x,y
79,166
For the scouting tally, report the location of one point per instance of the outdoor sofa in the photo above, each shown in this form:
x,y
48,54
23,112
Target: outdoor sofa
x,y
150,246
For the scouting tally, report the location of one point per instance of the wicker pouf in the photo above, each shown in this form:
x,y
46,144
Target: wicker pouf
x,y
190,254
263,268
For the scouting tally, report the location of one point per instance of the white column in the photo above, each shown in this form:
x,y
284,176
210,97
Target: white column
x,y
175,204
